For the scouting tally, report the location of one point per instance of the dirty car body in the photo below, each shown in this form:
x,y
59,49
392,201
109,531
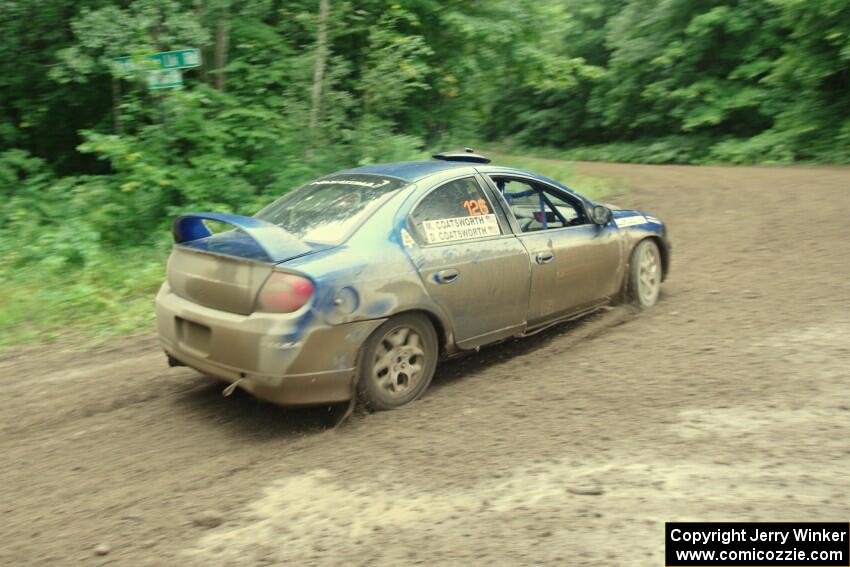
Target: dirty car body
x,y
285,302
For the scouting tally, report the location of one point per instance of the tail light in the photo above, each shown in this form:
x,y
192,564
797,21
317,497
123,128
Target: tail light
x,y
284,293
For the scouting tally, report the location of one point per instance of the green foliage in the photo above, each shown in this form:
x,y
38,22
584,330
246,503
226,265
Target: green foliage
x,y
739,81
670,149
145,26
114,295
814,74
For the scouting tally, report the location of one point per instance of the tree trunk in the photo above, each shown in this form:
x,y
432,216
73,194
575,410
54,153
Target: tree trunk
x,y
200,14
318,73
222,38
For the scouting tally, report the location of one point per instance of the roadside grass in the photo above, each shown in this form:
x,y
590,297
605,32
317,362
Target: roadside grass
x,y
113,296
665,150
113,293
551,166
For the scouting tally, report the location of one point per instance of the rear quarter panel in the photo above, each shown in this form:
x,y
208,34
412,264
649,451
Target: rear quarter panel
x,y
370,276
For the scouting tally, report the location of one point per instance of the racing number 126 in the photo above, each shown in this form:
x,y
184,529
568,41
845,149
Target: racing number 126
x,y
476,207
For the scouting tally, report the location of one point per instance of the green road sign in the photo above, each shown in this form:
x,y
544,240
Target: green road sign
x,y
124,64
165,79
181,59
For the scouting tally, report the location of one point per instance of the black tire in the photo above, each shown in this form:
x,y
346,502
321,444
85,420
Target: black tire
x,y
645,272
394,368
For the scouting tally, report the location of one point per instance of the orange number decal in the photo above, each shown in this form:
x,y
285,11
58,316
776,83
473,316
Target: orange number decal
x,y
476,207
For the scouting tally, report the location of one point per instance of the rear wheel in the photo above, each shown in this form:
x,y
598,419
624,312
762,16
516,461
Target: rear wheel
x,y
397,362
645,274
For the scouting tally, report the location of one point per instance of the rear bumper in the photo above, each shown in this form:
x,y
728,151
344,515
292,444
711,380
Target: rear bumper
x,y
281,358
291,390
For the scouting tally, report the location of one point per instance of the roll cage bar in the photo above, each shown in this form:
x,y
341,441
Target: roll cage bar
x,y
543,200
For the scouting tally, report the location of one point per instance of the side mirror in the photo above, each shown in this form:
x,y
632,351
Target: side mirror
x,y
600,215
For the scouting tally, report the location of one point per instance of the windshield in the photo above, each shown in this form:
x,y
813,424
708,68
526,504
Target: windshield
x,y
328,209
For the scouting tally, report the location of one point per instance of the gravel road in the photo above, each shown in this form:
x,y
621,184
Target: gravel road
x,y
730,400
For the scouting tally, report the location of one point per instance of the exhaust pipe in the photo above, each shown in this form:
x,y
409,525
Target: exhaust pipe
x,y
232,386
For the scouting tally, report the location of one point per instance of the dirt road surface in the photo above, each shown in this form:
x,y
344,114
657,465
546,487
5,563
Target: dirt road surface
x,y
728,401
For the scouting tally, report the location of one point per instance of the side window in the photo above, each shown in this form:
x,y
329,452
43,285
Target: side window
x,y
570,211
537,208
458,210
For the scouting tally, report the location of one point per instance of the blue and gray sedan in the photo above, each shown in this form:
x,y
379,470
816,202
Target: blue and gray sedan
x,y
354,286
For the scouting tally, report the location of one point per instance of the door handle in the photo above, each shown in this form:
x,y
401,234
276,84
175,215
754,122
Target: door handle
x,y
446,276
544,257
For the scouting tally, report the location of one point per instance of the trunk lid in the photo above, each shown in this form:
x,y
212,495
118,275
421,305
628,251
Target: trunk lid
x,y
220,282
226,271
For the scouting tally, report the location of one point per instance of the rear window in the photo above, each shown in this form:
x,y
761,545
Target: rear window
x,y
327,210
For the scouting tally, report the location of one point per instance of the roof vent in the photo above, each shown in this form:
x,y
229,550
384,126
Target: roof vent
x,y
466,154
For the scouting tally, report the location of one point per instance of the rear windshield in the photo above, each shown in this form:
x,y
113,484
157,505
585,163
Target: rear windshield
x,y
328,209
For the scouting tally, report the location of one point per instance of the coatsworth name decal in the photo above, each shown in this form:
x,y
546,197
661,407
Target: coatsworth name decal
x,y
460,228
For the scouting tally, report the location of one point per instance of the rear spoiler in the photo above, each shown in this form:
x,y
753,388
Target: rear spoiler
x,y
266,241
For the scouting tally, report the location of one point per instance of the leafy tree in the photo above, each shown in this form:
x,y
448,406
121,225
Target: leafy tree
x,y
812,79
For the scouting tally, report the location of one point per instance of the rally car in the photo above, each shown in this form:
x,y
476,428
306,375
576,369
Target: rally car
x,y
355,285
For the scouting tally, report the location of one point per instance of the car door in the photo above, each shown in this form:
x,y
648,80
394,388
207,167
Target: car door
x,y
574,263
470,262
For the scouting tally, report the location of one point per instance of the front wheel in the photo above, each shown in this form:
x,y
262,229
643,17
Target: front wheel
x,y
397,362
645,274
